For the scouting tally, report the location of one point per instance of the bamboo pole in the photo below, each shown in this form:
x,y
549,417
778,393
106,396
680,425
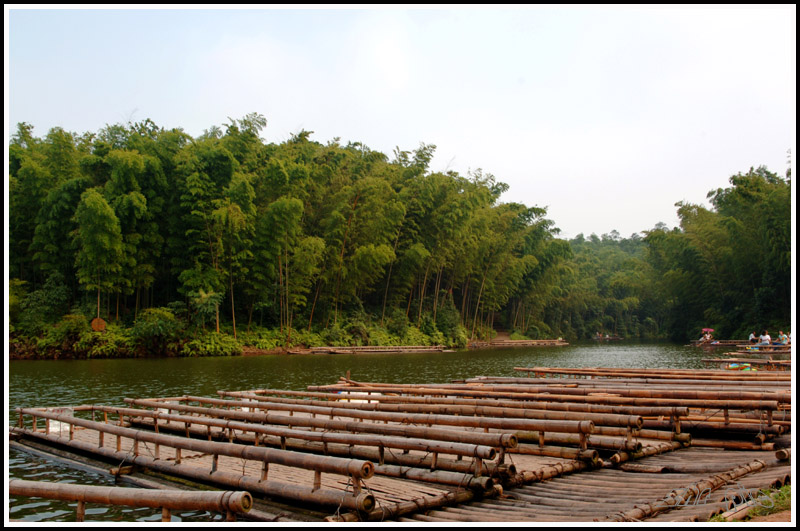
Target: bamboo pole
x,y
589,399
296,493
489,402
181,500
696,394
402,443
609,419
377,455
607,443
676,498
498,440
663,374
561,426
358,469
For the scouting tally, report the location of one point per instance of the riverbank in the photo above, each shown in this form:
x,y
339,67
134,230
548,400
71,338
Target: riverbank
x,y
159,333
72,339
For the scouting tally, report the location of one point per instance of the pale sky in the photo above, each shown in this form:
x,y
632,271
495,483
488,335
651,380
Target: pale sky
x,y
606,116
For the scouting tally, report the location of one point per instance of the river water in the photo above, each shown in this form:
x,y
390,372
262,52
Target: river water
x,y
69,383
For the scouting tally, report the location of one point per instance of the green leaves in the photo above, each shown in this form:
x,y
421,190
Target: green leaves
x,y
99,242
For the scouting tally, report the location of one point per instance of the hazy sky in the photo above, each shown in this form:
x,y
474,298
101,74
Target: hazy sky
x,y
605,116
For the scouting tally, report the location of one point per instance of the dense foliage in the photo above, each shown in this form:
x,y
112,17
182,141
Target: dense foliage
x,y
193,246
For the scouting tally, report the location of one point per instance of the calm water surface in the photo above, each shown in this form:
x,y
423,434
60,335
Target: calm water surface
x,y
70,383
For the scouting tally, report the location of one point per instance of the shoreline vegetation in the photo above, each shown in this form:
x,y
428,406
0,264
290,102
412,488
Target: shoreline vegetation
x,y
182,246
159,333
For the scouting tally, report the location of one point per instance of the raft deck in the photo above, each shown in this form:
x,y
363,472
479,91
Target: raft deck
x,y
358,451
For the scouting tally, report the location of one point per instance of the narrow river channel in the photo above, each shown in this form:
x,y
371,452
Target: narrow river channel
x,y
69,383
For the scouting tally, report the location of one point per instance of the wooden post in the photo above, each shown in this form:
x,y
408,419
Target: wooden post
x,y
80,511
165,515
158,446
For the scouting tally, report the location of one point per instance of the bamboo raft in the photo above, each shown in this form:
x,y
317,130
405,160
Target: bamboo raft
x,y
715,343
755,363
512,343
419,349
484,449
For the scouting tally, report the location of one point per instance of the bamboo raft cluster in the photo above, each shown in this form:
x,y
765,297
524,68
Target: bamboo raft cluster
x,y
419,349
510,343
731,409
770,352
361,451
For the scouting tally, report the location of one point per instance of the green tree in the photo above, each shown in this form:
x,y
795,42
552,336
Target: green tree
x,y
99,242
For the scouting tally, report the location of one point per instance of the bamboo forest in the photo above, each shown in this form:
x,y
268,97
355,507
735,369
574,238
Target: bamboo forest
x,y
203,246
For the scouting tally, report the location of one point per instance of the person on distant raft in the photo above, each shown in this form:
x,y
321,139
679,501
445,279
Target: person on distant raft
x,y
764,338
753,337
782,339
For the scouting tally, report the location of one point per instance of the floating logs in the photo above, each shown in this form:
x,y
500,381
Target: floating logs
x,y
551,395
345,397
356,469
668,374
683,496
456,409
391,450
499,440
565,426
219,501
401,443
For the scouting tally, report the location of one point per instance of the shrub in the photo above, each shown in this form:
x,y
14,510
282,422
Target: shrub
x,y
357,330
35,310
460,337
437,338
157,332
212,344
113,342
309,339
414,336
60,338
397,322
262,338
379,336
448,320
335,336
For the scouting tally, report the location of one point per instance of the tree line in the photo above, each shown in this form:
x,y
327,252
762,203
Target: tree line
x,y
169,237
